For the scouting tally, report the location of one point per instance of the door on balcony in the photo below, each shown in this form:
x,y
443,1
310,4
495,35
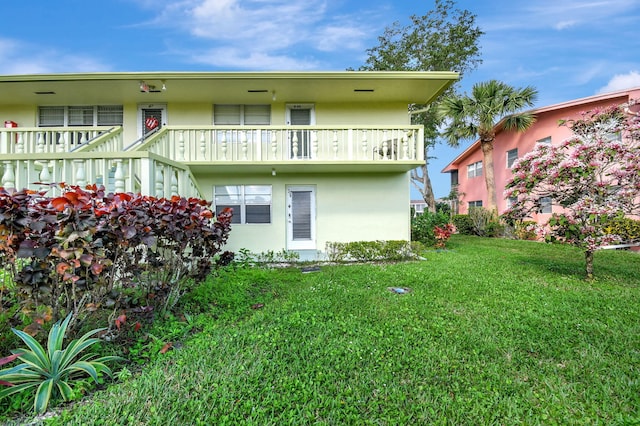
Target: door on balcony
x,y
151,118
300,140
301,218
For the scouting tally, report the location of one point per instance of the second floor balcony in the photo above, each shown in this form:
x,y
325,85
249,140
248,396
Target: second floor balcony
x,y
384,147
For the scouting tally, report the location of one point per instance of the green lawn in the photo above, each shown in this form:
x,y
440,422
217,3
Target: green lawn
x,y
493,332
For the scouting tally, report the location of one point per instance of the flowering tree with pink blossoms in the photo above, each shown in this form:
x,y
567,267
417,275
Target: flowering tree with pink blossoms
x,y
594,176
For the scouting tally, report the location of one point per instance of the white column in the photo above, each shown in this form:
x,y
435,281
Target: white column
x,y
203,146
119,177
81,175
45,176
314,144
9,177
181,145
244,143
223,144
174,184
159,182
365,144
274,145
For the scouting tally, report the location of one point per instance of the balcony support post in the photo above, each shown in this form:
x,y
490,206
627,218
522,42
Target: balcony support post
x,y
9,177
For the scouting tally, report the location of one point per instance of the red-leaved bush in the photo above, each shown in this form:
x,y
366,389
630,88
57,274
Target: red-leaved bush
x,y
86,247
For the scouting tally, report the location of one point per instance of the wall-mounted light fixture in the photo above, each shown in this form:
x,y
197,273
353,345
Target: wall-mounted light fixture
x,y
164,85
273,172
273,95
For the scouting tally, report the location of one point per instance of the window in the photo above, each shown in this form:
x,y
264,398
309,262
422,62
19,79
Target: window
x,y
250,203
61,116
546,140
512,156
511,201
474,170
242,115
454,178
473,204
247,115
545,205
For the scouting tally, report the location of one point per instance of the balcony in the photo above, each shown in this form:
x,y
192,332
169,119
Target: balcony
x,y
164,163
326,148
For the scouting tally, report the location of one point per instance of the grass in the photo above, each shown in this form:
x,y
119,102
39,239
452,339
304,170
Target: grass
x,y
492,332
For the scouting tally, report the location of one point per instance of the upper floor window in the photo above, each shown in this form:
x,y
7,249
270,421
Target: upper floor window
x,y
512,156
97,115
544,140
250,203
474,170
243,115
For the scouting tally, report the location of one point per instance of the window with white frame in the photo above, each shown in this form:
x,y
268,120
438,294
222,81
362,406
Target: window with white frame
x,y
474,204
84,115
512,156
474,170
250,203
546,140
545,205
242,115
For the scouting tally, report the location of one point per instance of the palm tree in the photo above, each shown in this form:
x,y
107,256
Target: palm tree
x,y
492,106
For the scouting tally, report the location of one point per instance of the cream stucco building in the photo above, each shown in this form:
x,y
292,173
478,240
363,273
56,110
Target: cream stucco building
x,y
304,158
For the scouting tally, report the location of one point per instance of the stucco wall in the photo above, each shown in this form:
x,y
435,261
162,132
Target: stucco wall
x,y
546,125
350,207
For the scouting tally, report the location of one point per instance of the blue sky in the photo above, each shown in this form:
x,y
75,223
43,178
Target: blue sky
x,y
567,49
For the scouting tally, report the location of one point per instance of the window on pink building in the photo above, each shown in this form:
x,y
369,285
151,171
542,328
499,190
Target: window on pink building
x,y
545,140
512,156
474,170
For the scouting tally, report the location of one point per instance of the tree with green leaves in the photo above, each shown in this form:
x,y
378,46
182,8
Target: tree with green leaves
x,y
492,105
444,39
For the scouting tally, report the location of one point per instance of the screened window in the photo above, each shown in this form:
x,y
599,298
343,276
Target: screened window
x,y
474,170
110,115
545,205
247,115
546,140
474,204
512,156
51,116
60,116
250,203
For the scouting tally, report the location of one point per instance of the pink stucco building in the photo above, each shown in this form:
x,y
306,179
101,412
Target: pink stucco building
x,y
467,169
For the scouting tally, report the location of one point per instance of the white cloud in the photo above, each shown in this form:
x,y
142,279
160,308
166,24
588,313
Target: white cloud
x,y
276,33
622,82
236,58
18,57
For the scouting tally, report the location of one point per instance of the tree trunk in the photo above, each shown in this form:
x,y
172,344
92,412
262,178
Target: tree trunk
x,y
422,182
588,258
489,179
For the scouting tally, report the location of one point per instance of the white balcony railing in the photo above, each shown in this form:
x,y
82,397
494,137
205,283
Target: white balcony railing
x,y
287,143
129,172
40,140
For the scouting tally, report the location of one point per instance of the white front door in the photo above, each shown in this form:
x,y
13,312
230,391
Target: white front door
x,y
301,218
151,117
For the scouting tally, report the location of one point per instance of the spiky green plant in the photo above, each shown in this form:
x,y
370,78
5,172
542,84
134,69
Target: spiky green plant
x,y
53,369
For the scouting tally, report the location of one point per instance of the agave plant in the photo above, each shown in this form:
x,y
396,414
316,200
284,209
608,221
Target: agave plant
x,y
54,369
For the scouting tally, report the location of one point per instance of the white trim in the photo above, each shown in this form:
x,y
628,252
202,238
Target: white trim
x,y
306,244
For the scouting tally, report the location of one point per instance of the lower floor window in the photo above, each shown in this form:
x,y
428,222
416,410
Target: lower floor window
x,y
545,205
473,204
250,203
